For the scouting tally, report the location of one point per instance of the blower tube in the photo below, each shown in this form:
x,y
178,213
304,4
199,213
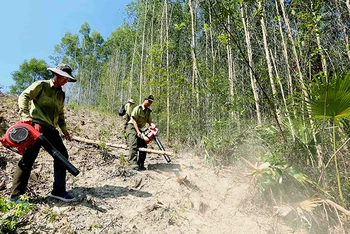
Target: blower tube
x,y
57,155
161,147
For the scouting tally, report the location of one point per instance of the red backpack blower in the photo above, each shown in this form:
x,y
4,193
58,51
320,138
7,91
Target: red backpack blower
x,y
152,134
22,136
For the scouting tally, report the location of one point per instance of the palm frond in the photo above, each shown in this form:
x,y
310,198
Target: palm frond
x,y
329,98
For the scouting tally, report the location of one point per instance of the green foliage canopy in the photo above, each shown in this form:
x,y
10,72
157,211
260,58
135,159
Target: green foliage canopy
x,y
28,73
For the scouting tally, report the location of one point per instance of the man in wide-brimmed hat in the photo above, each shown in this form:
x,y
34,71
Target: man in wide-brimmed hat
x,y
63,70
140,116
128,110
42,105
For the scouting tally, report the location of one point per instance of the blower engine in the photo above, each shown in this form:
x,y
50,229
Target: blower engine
x,y
22,136
151,134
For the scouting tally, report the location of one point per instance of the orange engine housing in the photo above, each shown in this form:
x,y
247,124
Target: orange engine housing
x,y
151,133
21,136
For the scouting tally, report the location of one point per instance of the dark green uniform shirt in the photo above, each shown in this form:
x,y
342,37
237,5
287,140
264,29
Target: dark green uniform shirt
x,y
128,108
46,104
141,116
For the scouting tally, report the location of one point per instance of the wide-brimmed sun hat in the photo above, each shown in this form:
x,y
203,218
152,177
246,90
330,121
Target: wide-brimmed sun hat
x,y
63,70
131,101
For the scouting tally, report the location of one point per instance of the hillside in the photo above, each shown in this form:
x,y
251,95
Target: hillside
x,y
186,196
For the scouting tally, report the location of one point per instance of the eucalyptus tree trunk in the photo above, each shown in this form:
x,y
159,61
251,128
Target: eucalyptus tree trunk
x,y
142,51
211,43
296,57
213,60
343,27
151,36
132,67
112,82
124,66
283,97
301,80
268,61
323,57
193,14
90,95
253,81
287,72
230,65
167,71
285,56
131,79
82,76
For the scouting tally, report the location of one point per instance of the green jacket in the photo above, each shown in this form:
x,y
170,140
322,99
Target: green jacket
x,y
141,116
128,108
46,104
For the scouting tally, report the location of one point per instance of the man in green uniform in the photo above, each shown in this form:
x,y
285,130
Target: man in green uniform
x,y
128,109
140,116
42,105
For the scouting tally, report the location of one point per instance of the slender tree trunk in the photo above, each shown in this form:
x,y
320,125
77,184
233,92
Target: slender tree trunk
x,y
268,61
113,81
285,56
283,98
142,52
253,81
213,60
301,79
152,63
167,72
123,77
289,76
323,57
195,92
343,27
131,81
230,70
211,43
286,20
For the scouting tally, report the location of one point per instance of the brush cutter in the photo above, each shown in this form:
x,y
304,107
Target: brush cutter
x,y
22,136
151,134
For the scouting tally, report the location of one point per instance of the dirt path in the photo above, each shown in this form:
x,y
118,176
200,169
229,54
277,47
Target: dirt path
x,y
185,196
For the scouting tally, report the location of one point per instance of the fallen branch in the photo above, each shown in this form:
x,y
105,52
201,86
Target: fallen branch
x,y
99,144
156,151
338,207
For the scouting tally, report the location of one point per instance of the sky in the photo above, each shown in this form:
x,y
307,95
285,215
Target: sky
x,y
32,28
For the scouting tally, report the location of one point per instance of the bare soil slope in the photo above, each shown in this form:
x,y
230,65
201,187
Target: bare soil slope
x,y
186,196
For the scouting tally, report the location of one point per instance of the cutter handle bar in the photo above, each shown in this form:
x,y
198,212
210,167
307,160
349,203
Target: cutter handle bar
x,y
57,155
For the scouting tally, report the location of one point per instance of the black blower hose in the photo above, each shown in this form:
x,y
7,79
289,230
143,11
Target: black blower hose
x,y
57,155
161,147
